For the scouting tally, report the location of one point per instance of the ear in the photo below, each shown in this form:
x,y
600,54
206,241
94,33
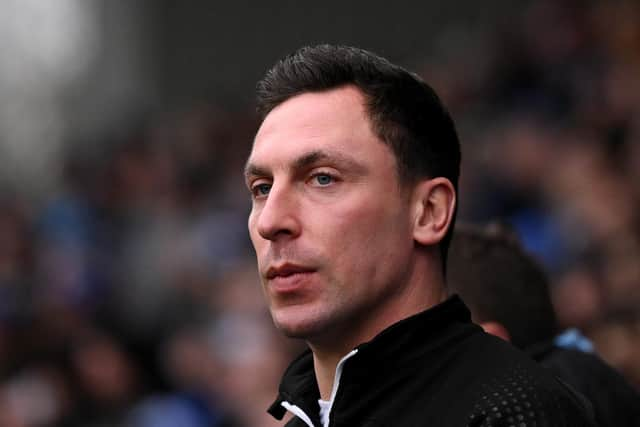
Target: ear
x,y
434,203
495,328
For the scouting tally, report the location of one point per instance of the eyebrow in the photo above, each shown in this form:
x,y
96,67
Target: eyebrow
x,y
251,169
309,159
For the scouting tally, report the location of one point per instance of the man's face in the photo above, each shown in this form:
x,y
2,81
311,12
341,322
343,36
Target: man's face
x,y
330,223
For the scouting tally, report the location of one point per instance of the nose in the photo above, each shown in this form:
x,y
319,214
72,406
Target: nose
x,y
278,217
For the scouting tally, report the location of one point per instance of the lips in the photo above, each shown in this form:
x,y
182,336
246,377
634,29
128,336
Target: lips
x,y
286,270
288,278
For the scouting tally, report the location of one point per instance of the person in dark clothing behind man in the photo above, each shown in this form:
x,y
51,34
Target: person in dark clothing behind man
x,y
508,295
353,176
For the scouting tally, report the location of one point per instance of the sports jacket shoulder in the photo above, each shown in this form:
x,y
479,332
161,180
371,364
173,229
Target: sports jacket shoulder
x,y
615,402
433,369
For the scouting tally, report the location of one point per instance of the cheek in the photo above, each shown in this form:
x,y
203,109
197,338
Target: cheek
x,y
370,239
377,222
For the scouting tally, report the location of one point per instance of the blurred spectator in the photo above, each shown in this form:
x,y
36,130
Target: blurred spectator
x,y
508,295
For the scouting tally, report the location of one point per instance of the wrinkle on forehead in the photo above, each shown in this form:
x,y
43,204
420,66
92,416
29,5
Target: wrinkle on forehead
x,y
313,108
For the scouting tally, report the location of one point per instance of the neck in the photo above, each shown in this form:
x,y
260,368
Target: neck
x,y
325,364
423,292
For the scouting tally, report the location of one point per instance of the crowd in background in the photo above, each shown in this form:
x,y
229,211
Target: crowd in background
x,y
130,297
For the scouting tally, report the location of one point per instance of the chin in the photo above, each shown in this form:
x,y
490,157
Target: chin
x,y
296,323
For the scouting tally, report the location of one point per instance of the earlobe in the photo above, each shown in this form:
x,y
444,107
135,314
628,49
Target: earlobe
x,y
435,201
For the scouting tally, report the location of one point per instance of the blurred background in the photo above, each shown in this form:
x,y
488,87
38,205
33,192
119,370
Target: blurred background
x,y
128,291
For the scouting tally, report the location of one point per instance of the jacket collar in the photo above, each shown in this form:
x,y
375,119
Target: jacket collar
x,y
401,344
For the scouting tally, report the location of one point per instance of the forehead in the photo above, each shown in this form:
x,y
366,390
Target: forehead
x,y
334,120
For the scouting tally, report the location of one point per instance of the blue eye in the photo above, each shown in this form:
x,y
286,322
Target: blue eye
x,y
261,189
324,179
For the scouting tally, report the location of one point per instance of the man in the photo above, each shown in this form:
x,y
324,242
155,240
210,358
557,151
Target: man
x,y
508,295
353,176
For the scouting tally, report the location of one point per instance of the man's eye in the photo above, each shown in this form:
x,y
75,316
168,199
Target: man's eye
x,y
323,179
261,190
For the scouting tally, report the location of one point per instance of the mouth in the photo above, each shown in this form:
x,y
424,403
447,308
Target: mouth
x,y
288,277
286,270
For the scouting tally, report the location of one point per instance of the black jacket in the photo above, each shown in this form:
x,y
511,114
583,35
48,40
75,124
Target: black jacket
x,y
435,369
615,402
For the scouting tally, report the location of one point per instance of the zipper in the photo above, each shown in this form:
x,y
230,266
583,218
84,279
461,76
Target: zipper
x,y
336,379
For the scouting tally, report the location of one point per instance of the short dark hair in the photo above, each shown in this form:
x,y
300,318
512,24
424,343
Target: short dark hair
x,y
405,112
501,282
